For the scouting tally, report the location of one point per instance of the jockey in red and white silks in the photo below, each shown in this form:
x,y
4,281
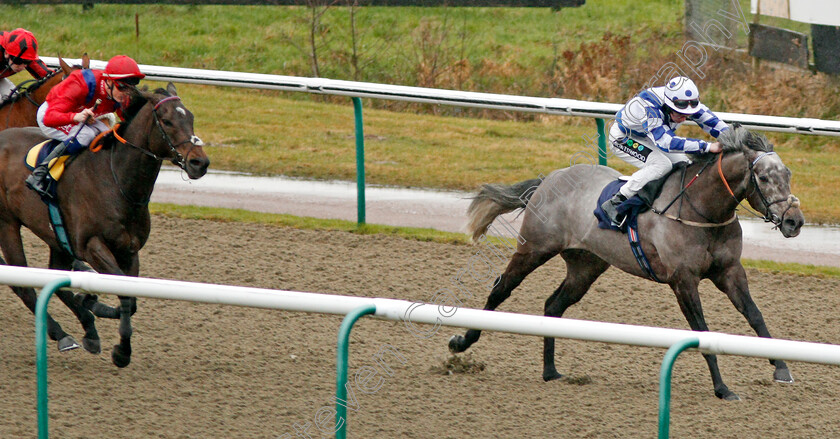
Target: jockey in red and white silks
x,y
72,107
18,51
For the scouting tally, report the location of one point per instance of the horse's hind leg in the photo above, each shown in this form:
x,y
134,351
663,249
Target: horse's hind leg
x,y
63,261
733,281
689,299
12,248
582,269
520,266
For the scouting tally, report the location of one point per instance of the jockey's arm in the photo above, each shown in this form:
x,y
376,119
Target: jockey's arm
x,y
38,69
667,141
709,122
63,107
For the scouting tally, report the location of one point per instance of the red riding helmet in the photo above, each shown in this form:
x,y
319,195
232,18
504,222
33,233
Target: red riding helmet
x,y
21,44
123,69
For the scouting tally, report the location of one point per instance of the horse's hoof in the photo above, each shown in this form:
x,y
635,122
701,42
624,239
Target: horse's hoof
x,y
81,266
119,358
551,376
727,395
68,343
456,344
92,346
782,376
732,397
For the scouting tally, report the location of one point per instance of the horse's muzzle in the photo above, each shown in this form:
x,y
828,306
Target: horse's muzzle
x,y
196,162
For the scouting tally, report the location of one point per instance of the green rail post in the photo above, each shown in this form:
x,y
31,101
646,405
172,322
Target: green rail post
x,y
341,367
665,383
41,352
360,162
602,142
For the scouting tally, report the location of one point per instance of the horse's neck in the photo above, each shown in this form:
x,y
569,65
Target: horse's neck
x,y
136,171
709,196
23,111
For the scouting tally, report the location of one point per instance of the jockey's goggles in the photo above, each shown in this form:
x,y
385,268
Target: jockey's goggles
x,y
127,83
19,61
682,105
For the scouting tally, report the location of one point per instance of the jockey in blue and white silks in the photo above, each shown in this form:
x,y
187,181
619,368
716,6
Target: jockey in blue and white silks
x,y
643,134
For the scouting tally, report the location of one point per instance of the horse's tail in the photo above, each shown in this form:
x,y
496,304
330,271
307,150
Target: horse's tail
x,y
493,200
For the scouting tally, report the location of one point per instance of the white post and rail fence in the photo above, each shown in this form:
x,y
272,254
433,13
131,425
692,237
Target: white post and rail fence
x,y
675,340
601,112
353,308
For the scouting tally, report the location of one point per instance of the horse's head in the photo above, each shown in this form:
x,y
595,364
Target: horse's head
x,y
172,137
769,185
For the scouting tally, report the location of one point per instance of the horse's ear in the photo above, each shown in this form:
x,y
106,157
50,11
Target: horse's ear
x,y
85,61
64,66
171,89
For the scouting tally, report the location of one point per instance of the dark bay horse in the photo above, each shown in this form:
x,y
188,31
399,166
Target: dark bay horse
x,y
703,244
104,200
20,110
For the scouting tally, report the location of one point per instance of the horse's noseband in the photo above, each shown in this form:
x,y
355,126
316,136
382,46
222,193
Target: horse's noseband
x,y
791,199
177,159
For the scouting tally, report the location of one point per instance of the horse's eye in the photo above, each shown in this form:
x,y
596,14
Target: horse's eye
x,y
166,122
763,179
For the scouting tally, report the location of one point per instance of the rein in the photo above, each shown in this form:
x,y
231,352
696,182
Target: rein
x,y
178,159
772,218
682,193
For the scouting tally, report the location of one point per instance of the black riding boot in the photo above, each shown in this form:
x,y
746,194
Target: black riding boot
x,y
610,208
37,181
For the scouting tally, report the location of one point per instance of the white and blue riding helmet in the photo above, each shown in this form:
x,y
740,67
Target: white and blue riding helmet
x,y
682,96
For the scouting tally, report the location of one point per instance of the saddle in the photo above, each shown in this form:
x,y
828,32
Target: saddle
x,y
40,151
637,204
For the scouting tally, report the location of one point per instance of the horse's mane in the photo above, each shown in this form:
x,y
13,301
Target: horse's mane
x,y
138,99
738,138
30,87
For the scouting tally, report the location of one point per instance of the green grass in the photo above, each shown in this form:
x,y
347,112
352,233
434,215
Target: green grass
x,y
267,133
505,50
426,235
269,39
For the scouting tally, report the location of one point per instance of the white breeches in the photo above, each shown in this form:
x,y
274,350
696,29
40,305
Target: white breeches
x,y
644,154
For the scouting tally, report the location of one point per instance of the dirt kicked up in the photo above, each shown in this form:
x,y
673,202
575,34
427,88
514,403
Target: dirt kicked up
x,y
227,372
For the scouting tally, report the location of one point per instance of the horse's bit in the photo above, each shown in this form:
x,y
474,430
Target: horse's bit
x,y
178,159
769,216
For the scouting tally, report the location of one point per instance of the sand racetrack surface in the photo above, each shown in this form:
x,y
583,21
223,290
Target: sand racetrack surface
x,y
210,371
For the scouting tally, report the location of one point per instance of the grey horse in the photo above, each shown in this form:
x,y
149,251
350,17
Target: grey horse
x,y
698,238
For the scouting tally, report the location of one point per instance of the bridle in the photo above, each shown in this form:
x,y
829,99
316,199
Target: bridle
x,y
769,216
177,159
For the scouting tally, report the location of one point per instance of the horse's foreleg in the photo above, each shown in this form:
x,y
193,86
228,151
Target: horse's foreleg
x,y
520,266
733,282
689,300
121,355
103,261
582,269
